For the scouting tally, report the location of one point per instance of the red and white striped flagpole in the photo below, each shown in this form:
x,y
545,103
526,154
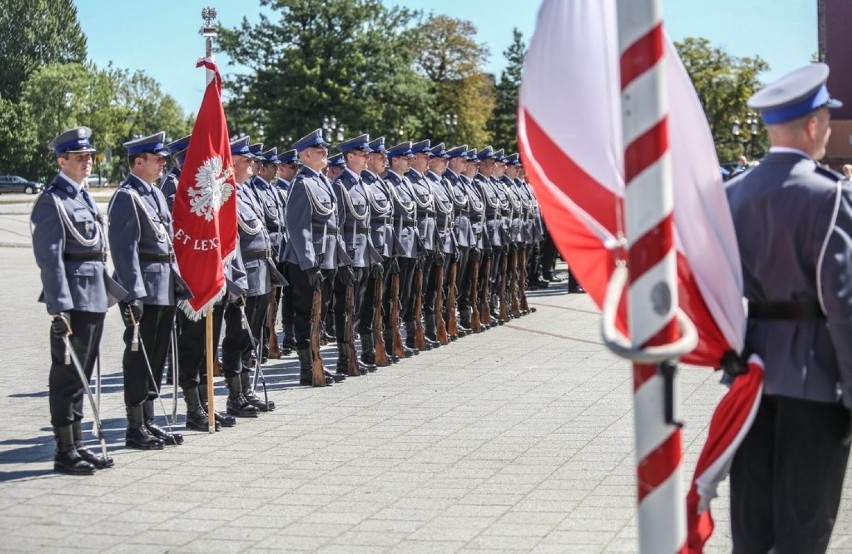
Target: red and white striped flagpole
x,y
652,267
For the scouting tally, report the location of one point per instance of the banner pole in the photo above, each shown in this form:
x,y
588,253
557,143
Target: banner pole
x,y
652,267
211,400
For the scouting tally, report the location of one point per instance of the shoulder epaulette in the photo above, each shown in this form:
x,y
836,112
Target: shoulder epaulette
x,y
828,172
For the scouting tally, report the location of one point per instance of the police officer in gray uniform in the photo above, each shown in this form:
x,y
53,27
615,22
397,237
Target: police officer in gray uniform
x,y
168,184
494,232
244,320
463,231
383,238
793,221
70,250
409,245
140,238
354,219
287,170
314,249
445,248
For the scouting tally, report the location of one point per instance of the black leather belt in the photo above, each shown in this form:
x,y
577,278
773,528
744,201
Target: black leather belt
x,y
785,310
84,256
362,229
256,254
319,228
408,222
162,258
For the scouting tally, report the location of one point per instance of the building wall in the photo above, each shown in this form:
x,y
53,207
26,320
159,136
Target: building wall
x,y
838,45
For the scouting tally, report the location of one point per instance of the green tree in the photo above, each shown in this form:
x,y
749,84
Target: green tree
x,y
724,84
115,104
34,33
17,137
503,122
452,61
351,59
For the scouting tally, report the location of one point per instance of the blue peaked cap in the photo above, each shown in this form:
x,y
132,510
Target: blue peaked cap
x,y
794,95
377,146
421,146
240,147
75,140
486,153
311,139
178,145
152,144
457,152
270,156
289,157
440,151
361,142
337,160
401,149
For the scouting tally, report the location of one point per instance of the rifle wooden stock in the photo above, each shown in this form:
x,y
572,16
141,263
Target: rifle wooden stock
x,y
318,373
452,323
378,328
349,333
440,324
475,323
270,326
398,351
513,285
419,335
485,310
522,286
501,287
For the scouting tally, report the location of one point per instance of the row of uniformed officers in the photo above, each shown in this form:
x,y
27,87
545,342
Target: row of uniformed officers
x,y
420,225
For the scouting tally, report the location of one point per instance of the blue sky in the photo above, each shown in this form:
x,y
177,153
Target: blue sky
x,y
161,36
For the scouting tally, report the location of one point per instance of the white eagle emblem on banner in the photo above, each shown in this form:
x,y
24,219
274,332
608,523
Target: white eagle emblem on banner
x,y
212,190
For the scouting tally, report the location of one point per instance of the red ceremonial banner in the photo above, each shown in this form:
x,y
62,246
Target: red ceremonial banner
x,y
205,207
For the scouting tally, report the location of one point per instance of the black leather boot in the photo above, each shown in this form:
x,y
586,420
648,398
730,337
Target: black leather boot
x,y
288,345
137,435
388,336
306,368
431,331
168,437
252,398
222,418
96,460
67,459
368,352
237,403
197,418
408,345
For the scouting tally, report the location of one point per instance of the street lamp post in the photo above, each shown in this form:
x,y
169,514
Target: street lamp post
x,y
747,141
332,130
451,121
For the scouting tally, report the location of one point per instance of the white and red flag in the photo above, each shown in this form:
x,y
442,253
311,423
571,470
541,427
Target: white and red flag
x,y
205,208
570,135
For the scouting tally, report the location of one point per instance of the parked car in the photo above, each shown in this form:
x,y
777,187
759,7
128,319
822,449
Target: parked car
x,y
14,183
96,181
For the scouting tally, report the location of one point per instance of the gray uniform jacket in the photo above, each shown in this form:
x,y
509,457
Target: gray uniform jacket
x,y
445,219
168,186
255,246
282,187
493,209
423,197
312,223
70,250
381,213
354,218
269,201
140,239
516,209
461,209
794,229
408,241
476,213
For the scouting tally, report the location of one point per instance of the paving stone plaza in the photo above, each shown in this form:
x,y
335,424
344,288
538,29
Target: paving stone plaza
x,y
518,439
